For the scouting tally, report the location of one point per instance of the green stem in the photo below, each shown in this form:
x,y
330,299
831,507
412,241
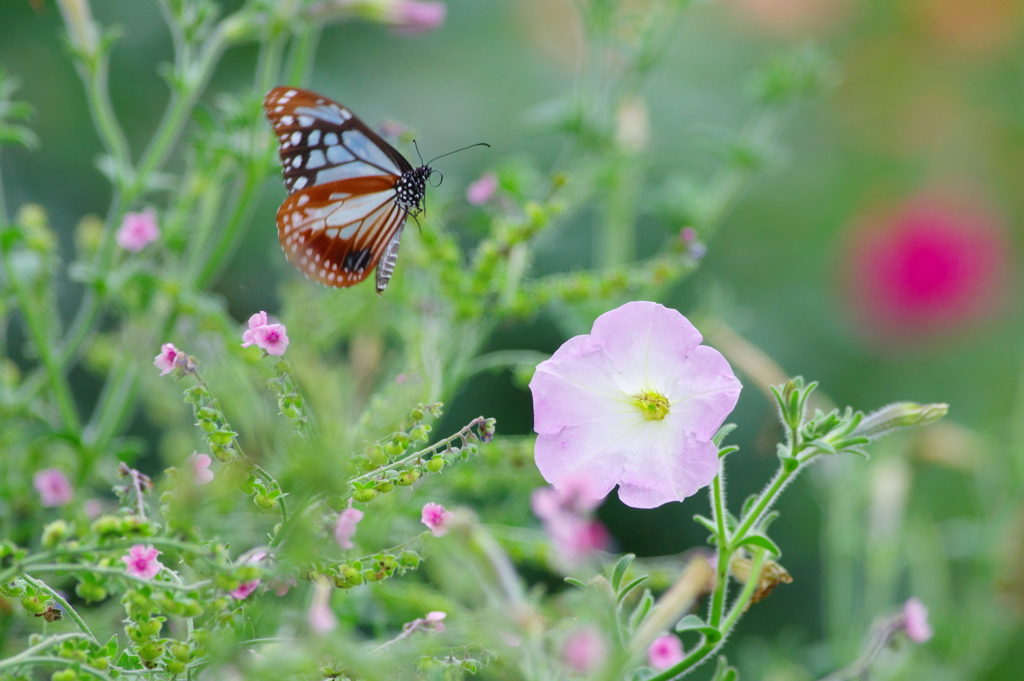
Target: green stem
x,y
42,586
37,330
101,570
739,606
48,642
19,661
724,548
228,241
95,75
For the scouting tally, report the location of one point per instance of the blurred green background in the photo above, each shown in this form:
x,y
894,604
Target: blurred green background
x,y
929,99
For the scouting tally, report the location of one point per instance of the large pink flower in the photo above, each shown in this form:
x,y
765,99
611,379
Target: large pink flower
x,y
633,404
927,266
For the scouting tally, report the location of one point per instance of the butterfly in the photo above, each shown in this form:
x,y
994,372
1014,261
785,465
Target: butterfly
x,y
349,191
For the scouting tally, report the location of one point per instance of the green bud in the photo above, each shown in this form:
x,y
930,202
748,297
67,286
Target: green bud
x,y
33,604
208,426
151,628
222,454
222,437
100,663
416,414
420,433
406,478
897,416
392,450
64,675
410,559
107,525
181,652
436,464
175,667
384,486
401,440
191,608
135,634
90,593
54,533
150,651
365,495
207,414
265,502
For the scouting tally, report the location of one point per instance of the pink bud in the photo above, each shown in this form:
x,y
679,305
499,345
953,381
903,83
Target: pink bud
x,y
200,465
415,16
915,621
346,527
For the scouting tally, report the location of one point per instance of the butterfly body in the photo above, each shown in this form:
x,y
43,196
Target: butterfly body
x,y
349,192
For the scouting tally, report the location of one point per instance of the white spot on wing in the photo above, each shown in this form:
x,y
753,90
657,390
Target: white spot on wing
x,y
362,147
314,138
330,139
316,159
300,182
296,137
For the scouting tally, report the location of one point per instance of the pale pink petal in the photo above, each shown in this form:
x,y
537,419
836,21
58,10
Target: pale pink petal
x,y
200,465
245,589
417,16
141,561
137,231
584,650
165,360
915,621
273,338
257,320
53,487
436,518
480,192
346,527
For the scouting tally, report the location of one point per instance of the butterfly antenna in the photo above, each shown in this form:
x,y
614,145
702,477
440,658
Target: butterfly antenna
x,y
418,152
478,144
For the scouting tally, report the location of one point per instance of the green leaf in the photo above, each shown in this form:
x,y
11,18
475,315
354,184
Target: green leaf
x,y
707,522
726,451
629,587
641,610
748,505
767,520
723,672
690,622
576,582
620,570
722,432
761,541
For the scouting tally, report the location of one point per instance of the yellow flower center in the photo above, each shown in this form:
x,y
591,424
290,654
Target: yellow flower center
x,y
654,406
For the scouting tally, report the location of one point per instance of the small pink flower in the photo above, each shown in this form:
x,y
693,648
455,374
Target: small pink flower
x,y
165,360
584,650
137,231
53,487
633,404
480,192
578,495
688,235
346,527
200,466
320,616
245,589
435,620
415,16
141,562
436,518
915,621
665,651
273,338
281,586
93,508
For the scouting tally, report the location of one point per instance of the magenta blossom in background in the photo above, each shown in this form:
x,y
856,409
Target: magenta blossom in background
x,y
53,487
346,527
915,621
416,16
321,618
199,464
141,561
273,338
567,519
137,231
480,192
633,404
436,518
927,266
165,360
665,651
584,650
245,589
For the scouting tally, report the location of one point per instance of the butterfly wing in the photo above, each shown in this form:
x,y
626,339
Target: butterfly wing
x,y
340,216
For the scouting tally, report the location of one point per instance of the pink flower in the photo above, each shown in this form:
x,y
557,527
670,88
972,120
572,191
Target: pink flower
x,y
435,620
480,192
93,508
915,621
665,651
688,235
200,466
567,519
320,616
141,562
346,527
137,231
577,496
928,266
273,338
282,585
165,360
414,16
436,518
634,404
245,589
53,487
584,650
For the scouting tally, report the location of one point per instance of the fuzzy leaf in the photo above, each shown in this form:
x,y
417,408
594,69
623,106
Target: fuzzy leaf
x,y
620,570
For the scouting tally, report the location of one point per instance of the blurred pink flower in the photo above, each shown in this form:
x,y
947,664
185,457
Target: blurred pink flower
x,y
200,466
346,527
584,650
567,520
480,192
320,616
789,17
137,231
165,360
281,585
665,651
273,338
435,620
634,404
245,589
93,508
416,16
141,561
928,266
436,518
915,621
53,487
